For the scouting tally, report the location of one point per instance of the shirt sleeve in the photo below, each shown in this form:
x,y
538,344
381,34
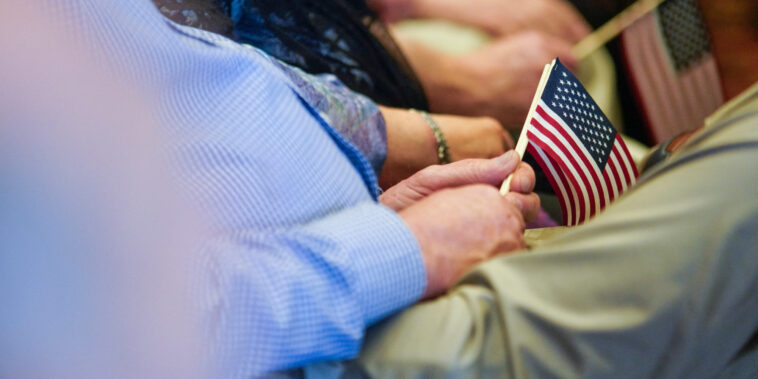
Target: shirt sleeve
x,y
282,299
354,116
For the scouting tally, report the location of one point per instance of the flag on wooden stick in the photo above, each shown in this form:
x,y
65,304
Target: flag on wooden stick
x,y
585,159
671,68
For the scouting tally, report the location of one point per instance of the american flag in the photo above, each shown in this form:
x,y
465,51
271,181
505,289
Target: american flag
x,y
585,159
671,68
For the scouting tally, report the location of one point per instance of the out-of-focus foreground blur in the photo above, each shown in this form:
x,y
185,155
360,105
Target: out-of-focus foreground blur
x,y
94,252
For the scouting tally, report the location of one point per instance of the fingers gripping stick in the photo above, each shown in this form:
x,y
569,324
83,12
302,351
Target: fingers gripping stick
x,y
522,139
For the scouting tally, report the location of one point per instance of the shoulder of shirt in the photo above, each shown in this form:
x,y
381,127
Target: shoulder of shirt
x,y
736,105
272,66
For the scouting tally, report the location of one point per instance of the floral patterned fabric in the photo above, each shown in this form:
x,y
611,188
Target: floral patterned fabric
x,y
354,116
340,37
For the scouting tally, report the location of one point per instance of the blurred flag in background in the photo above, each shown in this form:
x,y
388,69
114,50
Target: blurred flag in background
x,y
671,68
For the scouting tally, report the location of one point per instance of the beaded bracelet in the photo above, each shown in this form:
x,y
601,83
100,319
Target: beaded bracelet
x,y
443,152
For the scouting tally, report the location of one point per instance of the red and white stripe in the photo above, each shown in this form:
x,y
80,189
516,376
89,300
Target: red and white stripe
x,y
582,188
566,195
671,102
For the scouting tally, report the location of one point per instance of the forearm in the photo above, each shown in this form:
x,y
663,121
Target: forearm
x,y
397,10
504,17
410,146
498,80
278,300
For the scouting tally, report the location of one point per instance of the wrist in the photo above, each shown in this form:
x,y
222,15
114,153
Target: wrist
x,y
410,146
442,149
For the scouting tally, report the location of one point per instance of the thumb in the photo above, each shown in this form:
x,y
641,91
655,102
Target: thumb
x,y
468,171
491,171
457,174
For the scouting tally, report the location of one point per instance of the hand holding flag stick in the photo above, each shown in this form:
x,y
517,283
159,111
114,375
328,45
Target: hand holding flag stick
x,y
522,139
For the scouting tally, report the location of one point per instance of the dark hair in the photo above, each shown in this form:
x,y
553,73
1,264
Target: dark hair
x,y
341,37
202,14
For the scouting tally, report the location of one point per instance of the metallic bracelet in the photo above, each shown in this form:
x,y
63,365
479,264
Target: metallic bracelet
x,y
443,152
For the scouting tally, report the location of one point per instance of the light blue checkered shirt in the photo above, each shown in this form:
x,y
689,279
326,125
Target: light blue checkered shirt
x,y
303,257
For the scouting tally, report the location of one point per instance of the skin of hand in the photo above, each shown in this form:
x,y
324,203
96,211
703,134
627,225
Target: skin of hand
x,y
459,217
411,145
460,227
496,17
497,80
466,172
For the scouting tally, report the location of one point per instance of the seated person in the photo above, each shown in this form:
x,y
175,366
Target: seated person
x,y
300,254
661,284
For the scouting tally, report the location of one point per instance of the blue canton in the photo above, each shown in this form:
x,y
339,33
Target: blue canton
x,y
569,100
684,32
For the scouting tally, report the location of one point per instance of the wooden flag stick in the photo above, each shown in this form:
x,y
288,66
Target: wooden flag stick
x,y
522,140
613,27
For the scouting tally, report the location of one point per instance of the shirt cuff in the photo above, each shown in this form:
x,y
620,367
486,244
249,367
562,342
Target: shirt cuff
x,y
389,271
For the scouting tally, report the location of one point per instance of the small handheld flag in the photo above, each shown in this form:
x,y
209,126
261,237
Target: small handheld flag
x,y
584,158
672,69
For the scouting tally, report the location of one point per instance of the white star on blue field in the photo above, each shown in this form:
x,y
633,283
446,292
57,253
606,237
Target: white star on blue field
x,y
569,100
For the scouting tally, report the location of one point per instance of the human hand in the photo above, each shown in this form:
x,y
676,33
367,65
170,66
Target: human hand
x,y
557,18
563,20
458,228
471,171
502,17
499,80
473,137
